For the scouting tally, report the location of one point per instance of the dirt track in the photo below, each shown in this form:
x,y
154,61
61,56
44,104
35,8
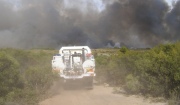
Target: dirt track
x,y
100,95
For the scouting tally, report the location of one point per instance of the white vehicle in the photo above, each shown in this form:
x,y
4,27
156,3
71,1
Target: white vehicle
x,y
75,63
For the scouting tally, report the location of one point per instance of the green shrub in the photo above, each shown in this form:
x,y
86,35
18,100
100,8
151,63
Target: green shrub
x,y
132,84
157,69
9,74
124,50
24,75
38,78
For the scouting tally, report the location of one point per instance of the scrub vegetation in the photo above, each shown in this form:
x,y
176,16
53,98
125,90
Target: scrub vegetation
x,y
25,75
151,72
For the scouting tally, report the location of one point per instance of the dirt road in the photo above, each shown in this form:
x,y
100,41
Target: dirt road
x,y
100,95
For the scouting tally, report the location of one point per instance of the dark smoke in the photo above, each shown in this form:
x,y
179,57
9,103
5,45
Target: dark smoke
x,y
173,21
55,23
136,22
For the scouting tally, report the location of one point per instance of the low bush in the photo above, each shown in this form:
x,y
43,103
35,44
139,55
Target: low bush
x,y
154,72
24,76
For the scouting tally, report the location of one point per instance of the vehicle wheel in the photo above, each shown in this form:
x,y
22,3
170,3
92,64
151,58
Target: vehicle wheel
x,y
65,85
89,83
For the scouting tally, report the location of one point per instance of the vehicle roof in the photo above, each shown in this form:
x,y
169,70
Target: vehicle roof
x,y
75,48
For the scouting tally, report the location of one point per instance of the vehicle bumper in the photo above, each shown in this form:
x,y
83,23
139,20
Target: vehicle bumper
x,y
78,77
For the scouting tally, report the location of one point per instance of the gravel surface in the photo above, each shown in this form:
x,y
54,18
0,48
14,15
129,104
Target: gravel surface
x,y
100,95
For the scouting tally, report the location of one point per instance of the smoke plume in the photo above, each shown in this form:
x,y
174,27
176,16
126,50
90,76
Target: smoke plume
x,y
55,23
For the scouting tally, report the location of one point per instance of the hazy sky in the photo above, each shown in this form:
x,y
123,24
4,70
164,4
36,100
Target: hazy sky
x,y
97,23
169,2
98,3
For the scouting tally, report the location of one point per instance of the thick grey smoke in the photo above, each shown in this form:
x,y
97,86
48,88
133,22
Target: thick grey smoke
x,y
54,23
173,21
136,22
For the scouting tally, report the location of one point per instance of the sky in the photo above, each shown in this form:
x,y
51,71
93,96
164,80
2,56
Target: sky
x,y
169,2
96,23
98,3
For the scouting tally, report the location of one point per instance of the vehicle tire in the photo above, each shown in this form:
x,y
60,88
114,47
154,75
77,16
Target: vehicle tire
x,y
89,83
65,85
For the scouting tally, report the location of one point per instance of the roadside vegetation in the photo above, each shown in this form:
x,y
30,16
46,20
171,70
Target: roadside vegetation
x,y
153,72
24,76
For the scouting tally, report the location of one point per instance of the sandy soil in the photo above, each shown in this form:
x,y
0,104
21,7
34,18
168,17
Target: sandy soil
x,y
100,95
